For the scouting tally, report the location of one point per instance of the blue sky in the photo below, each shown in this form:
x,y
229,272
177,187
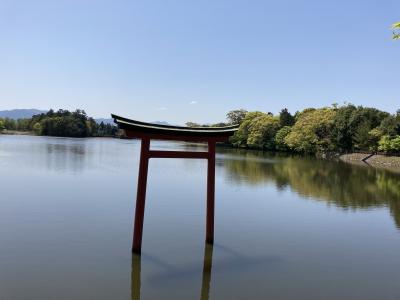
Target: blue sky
x,y
187,60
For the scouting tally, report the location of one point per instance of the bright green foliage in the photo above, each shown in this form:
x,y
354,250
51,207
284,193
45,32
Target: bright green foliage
x,y
384,144
388,144
257,130
2,126
241,136
280,138
373,139
262,132
396,31
395,144
312,131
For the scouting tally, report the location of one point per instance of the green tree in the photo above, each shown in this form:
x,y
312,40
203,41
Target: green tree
x,y
312,131
239,139
10,124
280,138
342,131
352,126
390,125
285,118
262,132
384,144
37,128
2,126
374,137
395,144
236,116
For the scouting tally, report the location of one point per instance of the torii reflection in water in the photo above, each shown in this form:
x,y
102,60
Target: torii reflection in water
x,y
206,278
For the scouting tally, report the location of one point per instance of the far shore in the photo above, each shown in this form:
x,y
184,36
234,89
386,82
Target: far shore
x,y
16,132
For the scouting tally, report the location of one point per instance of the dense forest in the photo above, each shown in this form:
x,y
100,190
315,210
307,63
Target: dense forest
x,y
336,129
61,123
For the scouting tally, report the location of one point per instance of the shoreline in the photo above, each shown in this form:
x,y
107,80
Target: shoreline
x,y
376,160
362,159
16,132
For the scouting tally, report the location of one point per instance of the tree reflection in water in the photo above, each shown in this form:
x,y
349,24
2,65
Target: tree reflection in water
x,y
344,185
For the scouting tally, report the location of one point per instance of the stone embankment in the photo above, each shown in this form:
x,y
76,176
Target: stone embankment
x,y
377,160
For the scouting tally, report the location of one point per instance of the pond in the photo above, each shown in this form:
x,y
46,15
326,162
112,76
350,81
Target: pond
x,y
285,227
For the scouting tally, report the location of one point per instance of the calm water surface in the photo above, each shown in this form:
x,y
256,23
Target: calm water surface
x,y
285,227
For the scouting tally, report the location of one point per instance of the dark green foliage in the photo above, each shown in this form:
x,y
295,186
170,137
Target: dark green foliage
x,y
352,126
262,132
192,124
341,132
62,123
285,118
391,125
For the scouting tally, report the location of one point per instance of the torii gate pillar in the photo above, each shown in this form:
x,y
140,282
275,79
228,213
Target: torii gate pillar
x,y
146,132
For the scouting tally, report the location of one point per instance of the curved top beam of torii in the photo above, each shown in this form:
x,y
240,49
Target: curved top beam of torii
x,y
137,129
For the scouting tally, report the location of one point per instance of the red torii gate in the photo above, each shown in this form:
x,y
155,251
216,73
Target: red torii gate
x,y
149,131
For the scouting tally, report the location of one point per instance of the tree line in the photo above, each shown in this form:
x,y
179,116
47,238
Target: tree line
x,y
336,129
60,123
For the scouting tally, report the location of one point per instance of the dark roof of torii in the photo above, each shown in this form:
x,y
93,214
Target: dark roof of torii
x,y
135,128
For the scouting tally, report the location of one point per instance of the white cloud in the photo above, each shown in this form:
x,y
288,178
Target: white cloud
x,y
192,102
162,108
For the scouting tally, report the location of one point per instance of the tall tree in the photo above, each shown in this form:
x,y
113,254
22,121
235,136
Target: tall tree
x,y
312,131
286,118
236,116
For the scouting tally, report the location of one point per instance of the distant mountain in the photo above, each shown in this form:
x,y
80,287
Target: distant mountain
x,y
20,113
105,121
